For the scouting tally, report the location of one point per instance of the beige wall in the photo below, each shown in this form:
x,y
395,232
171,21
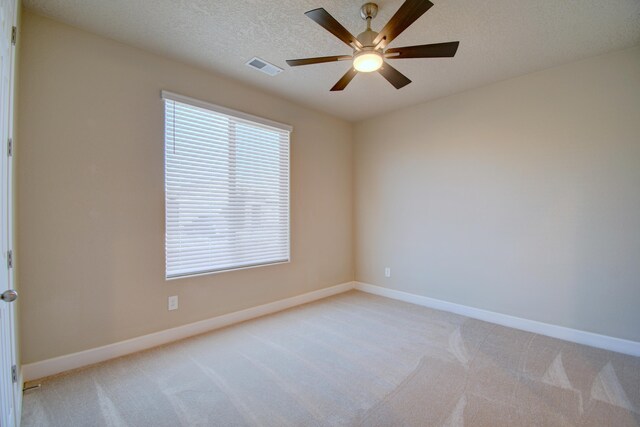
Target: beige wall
x,y
91,201
522,197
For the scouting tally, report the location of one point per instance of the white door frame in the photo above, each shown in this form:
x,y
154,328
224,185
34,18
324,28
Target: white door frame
x,y
11,404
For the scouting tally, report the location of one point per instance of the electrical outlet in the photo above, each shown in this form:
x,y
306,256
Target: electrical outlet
x,y
173,302
387,272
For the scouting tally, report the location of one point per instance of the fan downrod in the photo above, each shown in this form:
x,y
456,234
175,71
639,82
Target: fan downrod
x,y
368,11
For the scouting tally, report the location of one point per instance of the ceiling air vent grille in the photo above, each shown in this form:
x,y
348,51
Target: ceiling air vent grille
x,y
262,65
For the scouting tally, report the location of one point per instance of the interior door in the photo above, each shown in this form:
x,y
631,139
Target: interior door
x,y
9,383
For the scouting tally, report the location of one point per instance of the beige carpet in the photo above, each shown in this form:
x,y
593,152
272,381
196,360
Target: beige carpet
x,y
353,359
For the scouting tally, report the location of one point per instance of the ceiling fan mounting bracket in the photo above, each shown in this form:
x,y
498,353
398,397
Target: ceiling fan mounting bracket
x,y
368,11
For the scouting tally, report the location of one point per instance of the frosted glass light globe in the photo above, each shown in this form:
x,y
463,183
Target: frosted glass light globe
x,y
367,61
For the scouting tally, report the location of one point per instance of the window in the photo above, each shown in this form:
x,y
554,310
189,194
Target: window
x,y
226,188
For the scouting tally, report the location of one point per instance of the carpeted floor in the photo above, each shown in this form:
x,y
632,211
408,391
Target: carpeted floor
x,y
353,359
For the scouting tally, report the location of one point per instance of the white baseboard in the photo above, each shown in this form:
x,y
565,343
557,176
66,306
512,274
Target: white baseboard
x,y
45,368
67,362
574,335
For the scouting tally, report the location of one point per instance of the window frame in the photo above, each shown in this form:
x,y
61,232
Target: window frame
x,y
252,119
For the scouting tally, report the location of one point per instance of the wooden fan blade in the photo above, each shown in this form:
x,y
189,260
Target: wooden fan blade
x,y
318,60
393,76
330,24
436,50
345,80
405,16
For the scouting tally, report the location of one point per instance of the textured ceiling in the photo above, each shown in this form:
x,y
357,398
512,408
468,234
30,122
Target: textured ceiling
x,y
499,39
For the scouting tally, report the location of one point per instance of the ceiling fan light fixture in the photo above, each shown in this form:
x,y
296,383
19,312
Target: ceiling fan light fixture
x,y
367,61
370,51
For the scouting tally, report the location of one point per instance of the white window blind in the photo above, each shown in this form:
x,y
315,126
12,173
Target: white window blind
x,y
226,188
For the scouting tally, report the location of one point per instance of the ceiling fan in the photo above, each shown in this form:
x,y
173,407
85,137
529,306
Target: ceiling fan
x,y
369,48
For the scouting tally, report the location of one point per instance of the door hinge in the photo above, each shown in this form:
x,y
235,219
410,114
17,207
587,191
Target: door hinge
x,y
14,35
14,373
10,147
10,259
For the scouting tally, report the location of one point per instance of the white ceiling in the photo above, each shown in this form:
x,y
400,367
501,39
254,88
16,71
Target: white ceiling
x,y
499,39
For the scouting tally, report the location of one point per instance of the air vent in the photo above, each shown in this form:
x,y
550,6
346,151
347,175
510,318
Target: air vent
x,y
264,66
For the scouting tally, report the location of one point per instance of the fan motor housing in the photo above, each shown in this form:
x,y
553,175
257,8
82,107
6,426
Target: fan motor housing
x,y
366,37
